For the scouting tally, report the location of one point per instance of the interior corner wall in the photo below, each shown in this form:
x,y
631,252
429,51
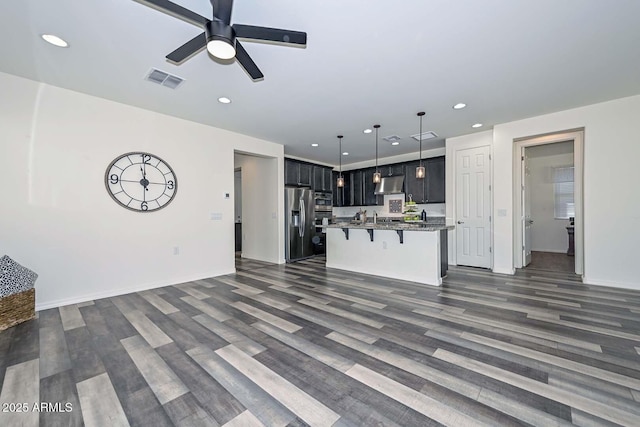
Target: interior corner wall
x,y
611,205
452,146
58,219
260,219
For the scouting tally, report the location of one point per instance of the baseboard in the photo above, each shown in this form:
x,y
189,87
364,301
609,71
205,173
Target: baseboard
x,y
610,284
506,271
123,291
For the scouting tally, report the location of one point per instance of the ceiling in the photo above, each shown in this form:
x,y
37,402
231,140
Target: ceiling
x,y
366,62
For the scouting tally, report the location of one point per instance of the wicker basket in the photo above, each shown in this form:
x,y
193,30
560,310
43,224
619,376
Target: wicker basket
x,y
17,308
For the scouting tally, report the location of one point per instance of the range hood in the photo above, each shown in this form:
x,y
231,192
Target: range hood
x,y
390,185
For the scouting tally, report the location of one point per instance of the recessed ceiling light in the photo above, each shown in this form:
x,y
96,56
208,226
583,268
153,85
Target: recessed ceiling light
x,y
346,153
395,143
314,145
224,100
459,106
54,40
367,131
477,125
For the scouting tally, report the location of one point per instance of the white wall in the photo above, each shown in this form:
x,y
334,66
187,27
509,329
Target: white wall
x,y
548,234
611,174
259,207
58,219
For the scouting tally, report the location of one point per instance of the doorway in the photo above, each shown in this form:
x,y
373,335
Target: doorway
x,y
548,211
260,207
548,207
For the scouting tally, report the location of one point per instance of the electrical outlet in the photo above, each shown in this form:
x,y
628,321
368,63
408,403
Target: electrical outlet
x,y
384,245
216,216
176,250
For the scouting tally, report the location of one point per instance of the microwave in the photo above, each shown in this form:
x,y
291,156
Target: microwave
x,y
323,201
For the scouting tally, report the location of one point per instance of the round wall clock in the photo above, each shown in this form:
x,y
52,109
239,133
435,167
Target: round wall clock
x,y
141,182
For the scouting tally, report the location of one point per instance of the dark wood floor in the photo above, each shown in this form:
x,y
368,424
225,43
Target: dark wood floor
x,y
552,261
299,344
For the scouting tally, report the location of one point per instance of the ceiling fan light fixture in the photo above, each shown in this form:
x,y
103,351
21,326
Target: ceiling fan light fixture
x,y
221,48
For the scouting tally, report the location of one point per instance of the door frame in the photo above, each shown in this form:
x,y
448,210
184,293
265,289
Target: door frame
x,y
577,136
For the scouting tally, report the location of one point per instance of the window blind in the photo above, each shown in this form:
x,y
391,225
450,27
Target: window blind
x,y
564,206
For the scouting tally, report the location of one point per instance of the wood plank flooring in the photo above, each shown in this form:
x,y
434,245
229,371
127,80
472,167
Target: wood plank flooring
x,y
300,344
552,261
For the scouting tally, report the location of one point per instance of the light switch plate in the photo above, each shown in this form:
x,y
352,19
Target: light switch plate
x,y
216,216
502,212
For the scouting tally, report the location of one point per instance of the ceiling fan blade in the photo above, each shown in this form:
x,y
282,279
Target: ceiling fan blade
x,y
222,10
247,63
191,47
270,34
175,10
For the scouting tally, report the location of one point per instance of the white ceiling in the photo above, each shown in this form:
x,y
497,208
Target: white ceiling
x,y
366,62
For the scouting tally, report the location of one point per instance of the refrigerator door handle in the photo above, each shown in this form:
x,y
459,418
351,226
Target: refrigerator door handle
x,y
303,218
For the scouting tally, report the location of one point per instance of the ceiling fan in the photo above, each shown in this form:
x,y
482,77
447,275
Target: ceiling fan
x,y
219,36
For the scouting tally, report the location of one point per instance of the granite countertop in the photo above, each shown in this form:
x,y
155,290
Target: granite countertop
x,y
407,226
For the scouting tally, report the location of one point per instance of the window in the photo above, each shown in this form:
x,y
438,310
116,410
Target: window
x,y
564,207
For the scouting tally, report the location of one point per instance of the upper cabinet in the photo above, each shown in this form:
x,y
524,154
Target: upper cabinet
x,y
342,196
297,173
359,187
322,179
370,198
435,179
431,188
412,185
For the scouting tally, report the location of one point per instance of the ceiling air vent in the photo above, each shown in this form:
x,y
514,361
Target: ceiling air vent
x,y
164,79
425,135
392,138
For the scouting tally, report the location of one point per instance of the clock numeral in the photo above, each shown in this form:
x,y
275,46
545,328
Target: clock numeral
x,y
170,185
145,158
144,206
113,178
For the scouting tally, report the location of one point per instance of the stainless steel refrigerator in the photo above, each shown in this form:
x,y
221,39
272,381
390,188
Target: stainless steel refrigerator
x,y
299,226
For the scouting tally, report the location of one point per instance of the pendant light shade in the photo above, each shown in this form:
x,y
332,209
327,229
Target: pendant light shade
x,y
340,182
420,171
377,176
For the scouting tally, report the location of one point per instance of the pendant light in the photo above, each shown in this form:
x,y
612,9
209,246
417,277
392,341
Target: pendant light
x,y
420,172
340,177
377,176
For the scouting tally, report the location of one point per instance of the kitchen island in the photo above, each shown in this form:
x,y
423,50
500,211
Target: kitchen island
x,y
415,252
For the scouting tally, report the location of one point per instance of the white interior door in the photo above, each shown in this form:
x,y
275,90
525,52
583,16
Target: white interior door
x,y
527,222
473,207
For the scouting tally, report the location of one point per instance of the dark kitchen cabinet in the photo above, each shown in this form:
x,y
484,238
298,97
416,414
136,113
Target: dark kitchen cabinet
x,y
392,170
369,187
322,179
297,173
413,186
357,188
342,196
435,179
427,190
